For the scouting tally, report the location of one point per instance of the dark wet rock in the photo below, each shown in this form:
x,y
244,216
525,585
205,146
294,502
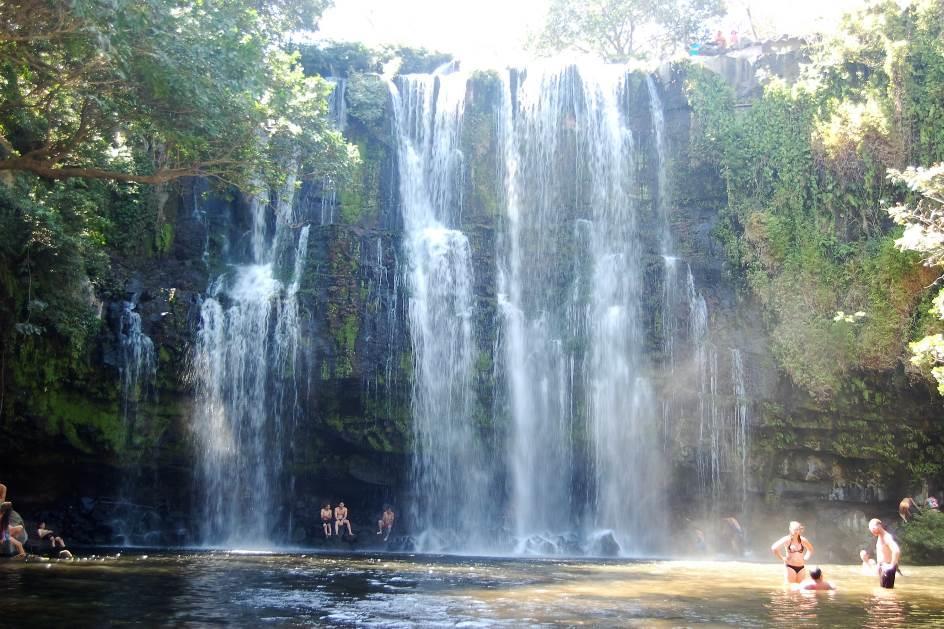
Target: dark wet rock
x,y
605,545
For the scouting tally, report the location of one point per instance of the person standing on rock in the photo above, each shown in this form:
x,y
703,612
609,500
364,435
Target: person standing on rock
x,y
340,519
887,553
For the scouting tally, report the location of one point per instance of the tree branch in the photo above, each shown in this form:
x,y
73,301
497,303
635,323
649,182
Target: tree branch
x,y
50,171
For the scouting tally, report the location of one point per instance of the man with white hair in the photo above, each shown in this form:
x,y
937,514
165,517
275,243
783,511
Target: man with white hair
x,y
887,553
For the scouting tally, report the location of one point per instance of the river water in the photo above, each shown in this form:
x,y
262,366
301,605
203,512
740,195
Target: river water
x,y
384,590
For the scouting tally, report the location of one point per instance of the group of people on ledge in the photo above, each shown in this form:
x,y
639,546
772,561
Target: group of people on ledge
x,y
13,535
794,550
333,521
718,45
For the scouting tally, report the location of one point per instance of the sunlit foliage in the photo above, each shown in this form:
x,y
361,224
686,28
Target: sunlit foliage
x,y
620,30
805,169
153,90
924,233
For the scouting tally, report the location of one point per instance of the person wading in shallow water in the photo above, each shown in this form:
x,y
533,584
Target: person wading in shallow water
x,y
887,553
816,581
796,551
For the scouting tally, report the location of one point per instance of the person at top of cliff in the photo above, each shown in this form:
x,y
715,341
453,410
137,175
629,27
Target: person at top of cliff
x,y
816,581
932,503
720,41
385,523
12,529
326,516
887,553
733,39
340,519
796,551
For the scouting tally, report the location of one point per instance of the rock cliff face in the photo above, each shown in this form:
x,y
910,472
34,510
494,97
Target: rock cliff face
x,y
78,452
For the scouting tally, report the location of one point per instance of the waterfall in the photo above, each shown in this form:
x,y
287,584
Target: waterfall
x,y
449,474
539,335
138,364
337,114
742,419
569,290
244,368
137,370
587,412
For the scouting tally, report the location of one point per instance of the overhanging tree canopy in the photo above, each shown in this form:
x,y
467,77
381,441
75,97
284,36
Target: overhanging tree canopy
x,y
152,90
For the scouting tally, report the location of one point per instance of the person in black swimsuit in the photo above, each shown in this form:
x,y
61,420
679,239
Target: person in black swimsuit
x,y
794,551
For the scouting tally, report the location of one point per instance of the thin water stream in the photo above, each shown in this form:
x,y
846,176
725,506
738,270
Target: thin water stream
x,y
431,591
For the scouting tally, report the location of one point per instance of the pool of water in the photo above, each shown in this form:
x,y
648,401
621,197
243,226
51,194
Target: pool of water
x,y
400,590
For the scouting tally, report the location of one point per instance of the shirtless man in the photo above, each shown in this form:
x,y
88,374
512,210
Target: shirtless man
x,y
385,523
340,519
326,518
816,581
887,553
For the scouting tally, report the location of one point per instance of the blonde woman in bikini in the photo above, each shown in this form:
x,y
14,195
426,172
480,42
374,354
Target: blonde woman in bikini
x,y
794,551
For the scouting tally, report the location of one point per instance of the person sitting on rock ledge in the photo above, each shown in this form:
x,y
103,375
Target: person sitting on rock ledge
x,y
12,529
385,523
340,519
326,519
54,541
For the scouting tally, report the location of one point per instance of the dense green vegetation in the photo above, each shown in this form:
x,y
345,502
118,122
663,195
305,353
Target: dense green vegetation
x,y
620,30
104,105
924,233
805,170
922,538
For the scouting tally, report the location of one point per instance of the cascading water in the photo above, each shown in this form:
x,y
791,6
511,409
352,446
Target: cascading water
x,y
586,410
569,288
450,478
244,367
138,364
137,369
721,451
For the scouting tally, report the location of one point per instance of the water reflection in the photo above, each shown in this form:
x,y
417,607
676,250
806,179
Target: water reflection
x,y
791,608
884,609
385,590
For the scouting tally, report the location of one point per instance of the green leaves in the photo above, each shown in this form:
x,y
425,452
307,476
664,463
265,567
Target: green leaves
x,y
804,169
182,87
620,30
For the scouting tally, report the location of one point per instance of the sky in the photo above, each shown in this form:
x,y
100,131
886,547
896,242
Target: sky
x,y
499,29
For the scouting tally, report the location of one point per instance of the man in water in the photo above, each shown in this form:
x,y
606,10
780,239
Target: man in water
x,y
816,581
340,519
385,523
887,553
